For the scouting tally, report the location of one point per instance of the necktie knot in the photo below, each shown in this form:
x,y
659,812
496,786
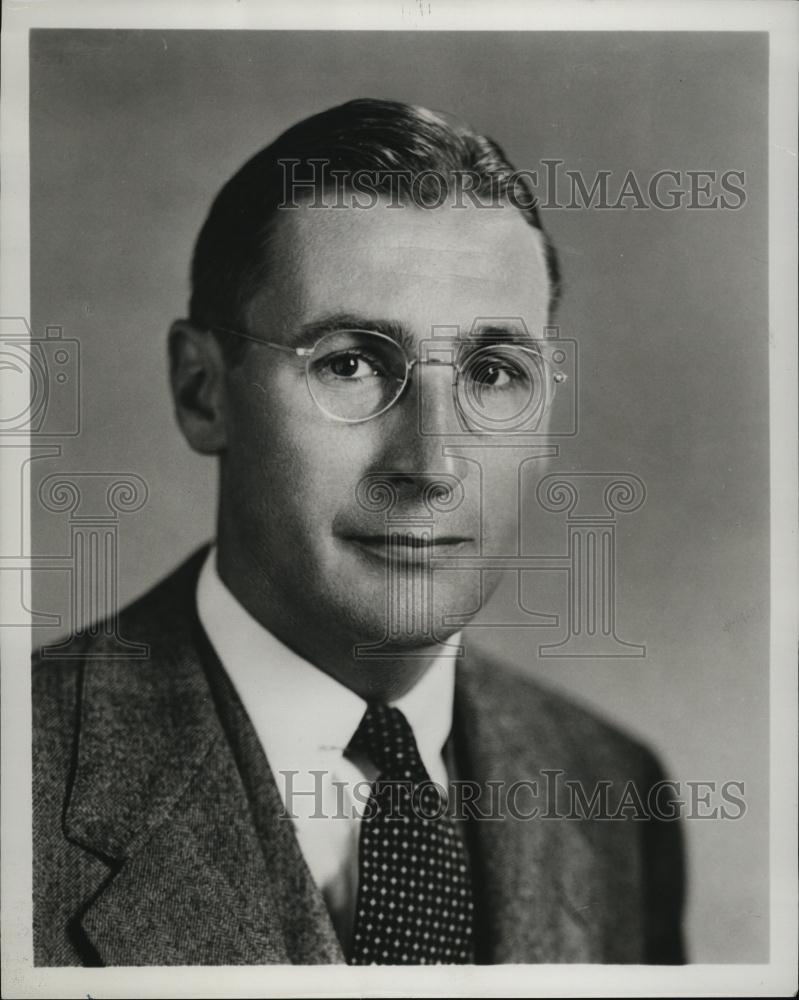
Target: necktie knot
x,y
386,738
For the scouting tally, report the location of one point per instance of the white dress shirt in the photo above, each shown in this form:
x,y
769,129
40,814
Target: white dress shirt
x,y
305,719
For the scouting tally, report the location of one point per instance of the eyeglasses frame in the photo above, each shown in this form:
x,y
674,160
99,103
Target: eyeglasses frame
x,y
307,352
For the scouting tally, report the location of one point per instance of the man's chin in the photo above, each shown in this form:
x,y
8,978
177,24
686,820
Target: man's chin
x,y
421,643
405,630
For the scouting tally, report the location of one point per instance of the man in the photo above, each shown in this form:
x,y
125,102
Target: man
x,y
269,786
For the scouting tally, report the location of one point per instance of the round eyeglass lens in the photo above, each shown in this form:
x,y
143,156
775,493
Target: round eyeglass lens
x,y
355,374
503,387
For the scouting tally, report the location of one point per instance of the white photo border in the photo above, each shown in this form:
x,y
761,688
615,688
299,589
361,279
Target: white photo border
x,y
781,20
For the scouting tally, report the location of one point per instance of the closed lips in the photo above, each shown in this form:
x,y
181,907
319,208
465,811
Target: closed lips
x,y
413,541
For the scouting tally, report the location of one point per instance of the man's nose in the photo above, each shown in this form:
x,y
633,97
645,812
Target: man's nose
x,y
422,422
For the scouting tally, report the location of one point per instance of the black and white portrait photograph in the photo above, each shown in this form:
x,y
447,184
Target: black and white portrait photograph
x,y
398,443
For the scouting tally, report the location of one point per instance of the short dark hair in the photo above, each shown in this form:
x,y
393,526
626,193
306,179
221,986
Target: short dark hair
x,y
230,260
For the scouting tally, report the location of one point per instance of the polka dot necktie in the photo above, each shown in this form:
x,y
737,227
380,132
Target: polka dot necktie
x,y
414,904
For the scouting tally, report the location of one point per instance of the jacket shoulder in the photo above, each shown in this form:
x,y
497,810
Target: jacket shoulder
x,y
156,608
148,624
578,737
599,772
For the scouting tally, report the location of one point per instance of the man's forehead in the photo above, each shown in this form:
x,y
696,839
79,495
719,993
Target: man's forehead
x,y
443,265
471,232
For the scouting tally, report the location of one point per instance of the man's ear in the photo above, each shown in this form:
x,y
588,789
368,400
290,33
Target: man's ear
x,y
197,376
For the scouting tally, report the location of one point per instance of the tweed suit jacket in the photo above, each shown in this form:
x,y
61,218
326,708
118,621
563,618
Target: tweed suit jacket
x,y
158,838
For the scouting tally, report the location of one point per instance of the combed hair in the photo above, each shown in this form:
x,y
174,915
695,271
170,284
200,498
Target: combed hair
x,y
231,259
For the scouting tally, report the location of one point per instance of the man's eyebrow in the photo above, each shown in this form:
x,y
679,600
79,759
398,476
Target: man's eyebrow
x,y
309,333
486,333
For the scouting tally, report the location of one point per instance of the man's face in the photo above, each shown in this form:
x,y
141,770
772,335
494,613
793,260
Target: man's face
x,y
290,474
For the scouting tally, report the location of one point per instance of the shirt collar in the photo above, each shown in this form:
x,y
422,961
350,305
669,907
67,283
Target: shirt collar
x,y
301,714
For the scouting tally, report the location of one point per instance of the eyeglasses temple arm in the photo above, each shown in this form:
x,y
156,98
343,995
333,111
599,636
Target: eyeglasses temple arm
x,y
300,351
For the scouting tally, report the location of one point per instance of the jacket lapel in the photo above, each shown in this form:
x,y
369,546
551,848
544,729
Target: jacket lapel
x,y
308,931
158,796
175,901
533,874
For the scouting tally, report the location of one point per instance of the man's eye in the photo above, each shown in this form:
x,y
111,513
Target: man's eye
x,y
349,365
496,373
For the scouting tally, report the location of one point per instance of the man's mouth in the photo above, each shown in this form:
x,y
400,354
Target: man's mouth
x,y
405,546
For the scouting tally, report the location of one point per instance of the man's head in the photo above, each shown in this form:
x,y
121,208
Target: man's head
x,y
373,246
397,144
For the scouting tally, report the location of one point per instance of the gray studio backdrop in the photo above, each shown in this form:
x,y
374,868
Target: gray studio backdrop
x,y
133,132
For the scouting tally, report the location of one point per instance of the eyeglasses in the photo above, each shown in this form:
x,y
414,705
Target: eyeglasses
x,y
356,375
